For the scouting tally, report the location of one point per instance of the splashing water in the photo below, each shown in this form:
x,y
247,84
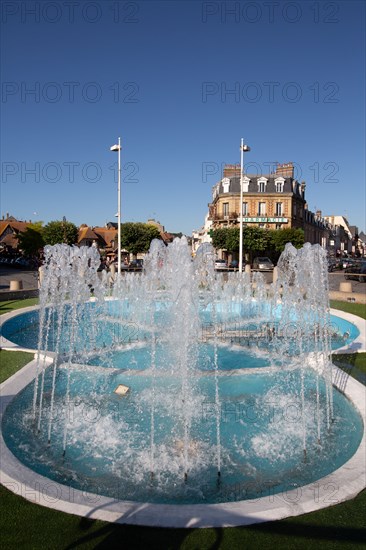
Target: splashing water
x,y
188,424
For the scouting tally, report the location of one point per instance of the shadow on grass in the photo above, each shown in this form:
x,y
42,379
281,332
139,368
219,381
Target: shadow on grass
x,y
136,537
348,365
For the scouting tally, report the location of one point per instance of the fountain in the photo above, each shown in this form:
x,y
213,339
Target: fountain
x,y
180,386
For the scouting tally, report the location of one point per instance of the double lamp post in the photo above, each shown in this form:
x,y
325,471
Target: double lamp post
x,y
243,149
118,149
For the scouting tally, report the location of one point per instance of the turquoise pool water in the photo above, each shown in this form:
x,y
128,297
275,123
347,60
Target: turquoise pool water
x,y
23,330
263,418
109,450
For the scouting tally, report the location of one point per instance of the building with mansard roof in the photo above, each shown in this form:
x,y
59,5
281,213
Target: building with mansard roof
x,y
271,201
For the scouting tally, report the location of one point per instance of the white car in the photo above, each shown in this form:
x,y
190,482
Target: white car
x,y
220,264
262,263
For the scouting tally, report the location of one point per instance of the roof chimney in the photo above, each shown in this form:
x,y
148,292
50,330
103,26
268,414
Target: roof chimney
x,y
286,170
232,170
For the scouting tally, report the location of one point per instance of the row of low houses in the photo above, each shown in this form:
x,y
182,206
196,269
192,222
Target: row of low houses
x,y
275,201
104,238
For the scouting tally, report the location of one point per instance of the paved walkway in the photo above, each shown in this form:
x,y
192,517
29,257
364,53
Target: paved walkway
x,y
30,280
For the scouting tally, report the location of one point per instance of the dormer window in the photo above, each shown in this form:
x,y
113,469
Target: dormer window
x,y
279,183
246,181
225,184
262,184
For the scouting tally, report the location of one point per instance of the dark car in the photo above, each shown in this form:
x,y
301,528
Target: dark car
x,y
348,262
356,271
234,264
136,265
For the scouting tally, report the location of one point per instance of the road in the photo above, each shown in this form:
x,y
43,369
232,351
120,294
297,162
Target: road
x,y
30,279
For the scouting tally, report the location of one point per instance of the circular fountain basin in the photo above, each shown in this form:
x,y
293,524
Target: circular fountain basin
x,y
109,450
264,473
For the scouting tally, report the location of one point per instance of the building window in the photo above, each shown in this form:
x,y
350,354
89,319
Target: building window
x,y
226,184
246,182
279,210
294,210
278,225
261,209
279,185
262,183
245,208
225,209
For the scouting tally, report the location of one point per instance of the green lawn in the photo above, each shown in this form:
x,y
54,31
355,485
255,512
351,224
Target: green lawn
x,y
12,361
356,309
29,526
10,305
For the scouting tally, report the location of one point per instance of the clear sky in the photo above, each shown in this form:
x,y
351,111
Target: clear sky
x,y
181,83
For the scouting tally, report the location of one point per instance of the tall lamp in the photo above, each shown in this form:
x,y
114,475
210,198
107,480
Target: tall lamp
x,y
118,149
243,149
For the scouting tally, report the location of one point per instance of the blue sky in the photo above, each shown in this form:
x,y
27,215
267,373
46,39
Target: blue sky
x,y
181,83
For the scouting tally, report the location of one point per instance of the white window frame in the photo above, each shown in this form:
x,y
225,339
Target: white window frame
x,y
260,213
246,182
279,209
279,183
225,184
262,183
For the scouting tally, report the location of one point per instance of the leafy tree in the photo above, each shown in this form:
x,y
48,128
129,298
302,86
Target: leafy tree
x,y
232,239
281,237
137,237
255,240
31,239
60,232
219,237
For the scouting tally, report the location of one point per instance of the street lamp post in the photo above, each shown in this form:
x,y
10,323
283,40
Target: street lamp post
x,y
118,149
243,148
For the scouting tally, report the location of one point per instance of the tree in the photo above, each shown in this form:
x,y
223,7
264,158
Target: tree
x,y
60,232
219,237
31,239
255,240
136,237
281,237
232,239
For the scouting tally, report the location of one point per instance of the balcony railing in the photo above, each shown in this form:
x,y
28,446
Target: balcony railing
x,y
231,216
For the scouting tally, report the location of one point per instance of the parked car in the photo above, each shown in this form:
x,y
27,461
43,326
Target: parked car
x,y
348,262
234,264
356,271
262,263
220,264
136,264
332,264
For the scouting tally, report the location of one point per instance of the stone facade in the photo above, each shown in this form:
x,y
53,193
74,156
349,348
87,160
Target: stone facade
x,y
273,201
